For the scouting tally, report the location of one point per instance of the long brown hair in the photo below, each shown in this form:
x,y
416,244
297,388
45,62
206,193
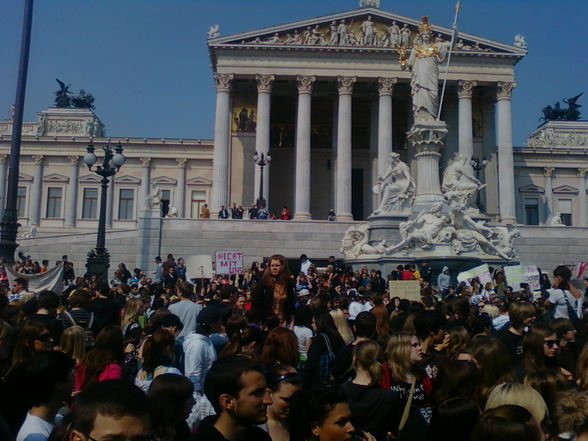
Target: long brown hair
x,y
25,343
533,352
282,277
108,348
280,347
493,360
154,350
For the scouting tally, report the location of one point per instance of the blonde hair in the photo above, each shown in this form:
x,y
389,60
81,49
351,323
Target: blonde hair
x,y
342,325
133,309
365,356
73,342
582,369
398,352
519,395
491,310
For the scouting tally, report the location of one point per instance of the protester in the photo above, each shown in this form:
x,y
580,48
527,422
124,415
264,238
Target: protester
x,y
170,400
283,381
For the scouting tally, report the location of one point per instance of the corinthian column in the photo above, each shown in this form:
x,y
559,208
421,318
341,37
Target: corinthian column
x,y
222,139
145,181
466,131
262,135
180,201
2,183
37,190
582,196
385,88
344,121
302,186
72,194
505,155
548,173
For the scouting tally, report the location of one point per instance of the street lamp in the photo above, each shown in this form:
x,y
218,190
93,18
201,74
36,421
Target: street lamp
x,y
478,166
262,160
99,259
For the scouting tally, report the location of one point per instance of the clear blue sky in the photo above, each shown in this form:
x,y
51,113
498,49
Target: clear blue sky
x,y
147,64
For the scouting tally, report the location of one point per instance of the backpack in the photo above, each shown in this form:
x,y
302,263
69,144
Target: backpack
x,y
87,330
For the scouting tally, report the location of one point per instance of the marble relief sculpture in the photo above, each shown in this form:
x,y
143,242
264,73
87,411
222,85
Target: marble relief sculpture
x,y
356,242
396,188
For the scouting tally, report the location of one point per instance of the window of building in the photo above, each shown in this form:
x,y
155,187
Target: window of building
x,y
564,206
54,195
165,202
531,211
21,201
90,203
126,203
198,200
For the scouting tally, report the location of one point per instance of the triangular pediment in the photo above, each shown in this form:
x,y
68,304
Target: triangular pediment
x,y
23,177
127,179
163,180
531,188
199,181
90,179
358,30
565,189
55,177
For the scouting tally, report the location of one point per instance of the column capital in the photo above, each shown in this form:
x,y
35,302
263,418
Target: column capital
x,y
465,88
73,160
345,85
582,172
548,171
386,85
223,82
145,162
37,159
264,82
305,83
3,159
181,162
504,89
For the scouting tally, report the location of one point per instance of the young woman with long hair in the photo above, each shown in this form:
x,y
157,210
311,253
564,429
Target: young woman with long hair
x,y
522,316
459,341
540,349
33,338
171,398
104,361
342,326
373,408
73,343
158,353
402,376
325,344
491,357
280,347
283,382
130,319
275,293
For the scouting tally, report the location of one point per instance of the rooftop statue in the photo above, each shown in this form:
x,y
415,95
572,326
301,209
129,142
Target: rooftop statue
x,y
556,113
63,100
62,96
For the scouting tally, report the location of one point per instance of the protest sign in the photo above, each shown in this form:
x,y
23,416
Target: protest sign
x,y
482,272
198,267
51,280
531,275
229,262
405,289
514,276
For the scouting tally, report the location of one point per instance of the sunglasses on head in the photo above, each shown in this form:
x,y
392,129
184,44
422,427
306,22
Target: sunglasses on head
x,y
273,380
550,343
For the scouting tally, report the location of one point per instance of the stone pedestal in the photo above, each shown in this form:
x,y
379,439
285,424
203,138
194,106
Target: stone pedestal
x,y
149,239
427,139
386,227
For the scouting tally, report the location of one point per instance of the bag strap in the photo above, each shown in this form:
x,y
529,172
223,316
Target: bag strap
x,y
570,304
91,322
407,406
328,343
69,316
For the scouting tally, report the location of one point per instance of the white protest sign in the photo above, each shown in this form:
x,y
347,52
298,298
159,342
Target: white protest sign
x,y
405,289
482,272
229,262
198,267
531,275
514,276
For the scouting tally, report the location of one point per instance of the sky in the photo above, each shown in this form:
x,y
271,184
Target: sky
x,y
146,61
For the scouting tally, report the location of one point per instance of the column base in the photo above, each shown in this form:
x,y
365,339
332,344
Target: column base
x,y
508,220
345,217
302,215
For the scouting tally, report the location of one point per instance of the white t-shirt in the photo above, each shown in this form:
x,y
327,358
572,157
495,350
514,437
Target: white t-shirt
x,y
557,299
34,429
302,334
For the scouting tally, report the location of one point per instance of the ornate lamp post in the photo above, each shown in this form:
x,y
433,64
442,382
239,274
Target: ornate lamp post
x,y
478,165
99,259
262,160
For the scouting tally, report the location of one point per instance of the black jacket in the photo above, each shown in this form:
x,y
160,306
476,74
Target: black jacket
x,y
262,298
207,432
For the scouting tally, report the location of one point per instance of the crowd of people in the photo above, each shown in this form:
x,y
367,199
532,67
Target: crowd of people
x,y
327,354
258,210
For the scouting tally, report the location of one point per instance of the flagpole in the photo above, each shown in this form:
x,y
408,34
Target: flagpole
x,y
453,35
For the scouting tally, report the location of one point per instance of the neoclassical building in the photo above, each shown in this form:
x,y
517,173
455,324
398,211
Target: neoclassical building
x,y
328,100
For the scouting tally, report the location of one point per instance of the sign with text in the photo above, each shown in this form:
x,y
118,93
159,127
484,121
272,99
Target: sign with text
x,y
405,289
229,262
482,272
517,274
